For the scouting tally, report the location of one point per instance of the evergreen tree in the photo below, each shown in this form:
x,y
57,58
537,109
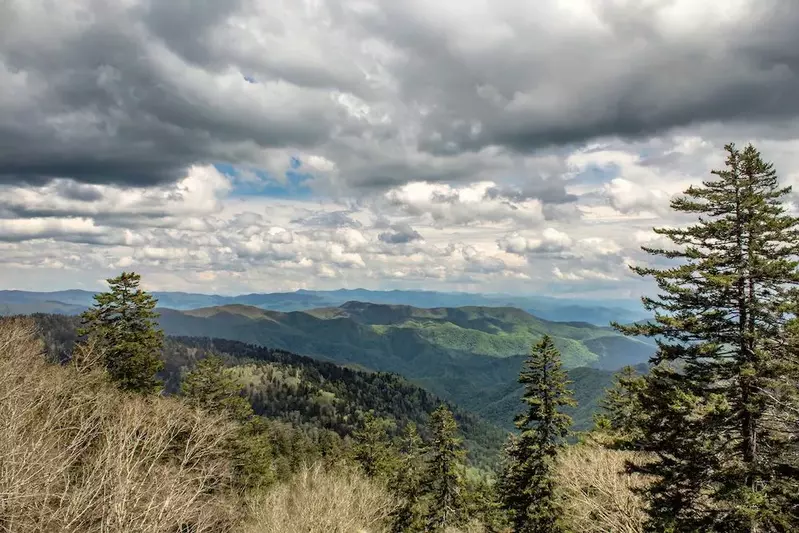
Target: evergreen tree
x,y
482,502
407,481
623,409
443,483
373,449
123,323
527,487
720,319
212,387
253,455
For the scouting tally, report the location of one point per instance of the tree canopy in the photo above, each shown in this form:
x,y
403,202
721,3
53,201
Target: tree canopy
x,y
123,323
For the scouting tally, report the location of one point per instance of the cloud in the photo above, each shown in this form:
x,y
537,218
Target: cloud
x,y
335,219
41,228
581,274
199,193
400,233
135,93
549,241
255,145
550,192
372,94
629,197
460,205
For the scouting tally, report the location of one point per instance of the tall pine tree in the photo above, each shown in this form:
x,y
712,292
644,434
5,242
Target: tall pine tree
x,y
443,483
123,323
720,320
527,487
407,482
623,411
212,387
373,449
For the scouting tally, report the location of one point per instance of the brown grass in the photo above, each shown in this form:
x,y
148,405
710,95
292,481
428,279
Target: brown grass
x,y
76,455
318,501
599,495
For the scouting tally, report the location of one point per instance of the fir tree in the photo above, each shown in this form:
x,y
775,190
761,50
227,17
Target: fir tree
x,y
373,450
623,409
123,323
212,387
443,483
527,487
720,319
253,455
407,482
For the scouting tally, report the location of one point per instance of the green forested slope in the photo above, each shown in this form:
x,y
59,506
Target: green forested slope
x,y
315,394
469,355
481,384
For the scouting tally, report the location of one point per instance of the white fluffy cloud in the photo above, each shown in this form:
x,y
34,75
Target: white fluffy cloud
x,y
474,203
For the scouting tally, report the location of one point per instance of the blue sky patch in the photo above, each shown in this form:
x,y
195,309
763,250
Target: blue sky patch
x,y
294,184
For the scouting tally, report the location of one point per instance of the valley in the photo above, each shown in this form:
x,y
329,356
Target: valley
x,y
470,355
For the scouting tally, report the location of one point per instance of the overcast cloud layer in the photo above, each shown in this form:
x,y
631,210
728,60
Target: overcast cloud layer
x,y
264,145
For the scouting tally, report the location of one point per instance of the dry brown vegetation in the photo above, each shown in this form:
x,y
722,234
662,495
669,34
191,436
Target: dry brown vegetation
x,y
78,456
318,501
599,494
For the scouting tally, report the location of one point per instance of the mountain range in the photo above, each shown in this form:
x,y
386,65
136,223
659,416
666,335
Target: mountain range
x,y
469,355
554,309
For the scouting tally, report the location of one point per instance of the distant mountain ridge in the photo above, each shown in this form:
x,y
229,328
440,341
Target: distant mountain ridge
x,y
469,355
486,331
555,309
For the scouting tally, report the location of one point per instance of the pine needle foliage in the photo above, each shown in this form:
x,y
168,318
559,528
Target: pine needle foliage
x,y
213,387
407,482
373,448
123,324
527,487
444,483
623,412
720,321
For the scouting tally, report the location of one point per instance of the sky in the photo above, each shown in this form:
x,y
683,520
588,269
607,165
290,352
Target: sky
x,y
457,145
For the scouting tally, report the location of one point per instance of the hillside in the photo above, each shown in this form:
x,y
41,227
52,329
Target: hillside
x,y
314,394
121,462
469,355
482,385
307,393
496,332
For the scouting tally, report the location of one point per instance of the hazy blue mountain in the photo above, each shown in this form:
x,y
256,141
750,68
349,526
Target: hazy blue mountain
x,y
555,309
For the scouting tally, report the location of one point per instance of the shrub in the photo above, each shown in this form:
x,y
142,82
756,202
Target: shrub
x,y
598,494
79,456
318,501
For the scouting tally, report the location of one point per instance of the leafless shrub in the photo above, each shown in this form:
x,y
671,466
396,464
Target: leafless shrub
x,y
599,493
76,455
318,501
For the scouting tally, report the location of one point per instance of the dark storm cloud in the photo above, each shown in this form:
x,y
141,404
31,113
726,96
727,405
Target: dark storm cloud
x,y
400,233
545,80
88,90
134,93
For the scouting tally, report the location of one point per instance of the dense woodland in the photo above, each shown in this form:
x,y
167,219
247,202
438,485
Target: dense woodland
x,y
109,426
